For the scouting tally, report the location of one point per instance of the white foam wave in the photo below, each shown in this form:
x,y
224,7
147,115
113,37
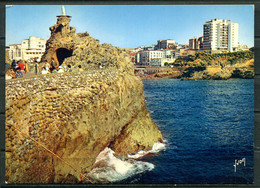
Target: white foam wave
x,y
157,147
109,168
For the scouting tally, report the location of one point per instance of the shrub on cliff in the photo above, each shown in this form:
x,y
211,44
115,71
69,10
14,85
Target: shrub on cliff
x,y
229,58
237,73
248,74
191,70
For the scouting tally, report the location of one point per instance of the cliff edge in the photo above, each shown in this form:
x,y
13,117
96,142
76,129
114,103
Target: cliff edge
x,y
57,124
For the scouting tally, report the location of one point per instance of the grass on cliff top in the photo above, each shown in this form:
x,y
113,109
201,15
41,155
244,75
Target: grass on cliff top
x,y
218,59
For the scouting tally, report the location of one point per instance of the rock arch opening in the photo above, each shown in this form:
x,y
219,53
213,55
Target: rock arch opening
x,y
63,53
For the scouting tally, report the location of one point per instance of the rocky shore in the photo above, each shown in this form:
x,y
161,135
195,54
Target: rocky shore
x,y
57,124
244,70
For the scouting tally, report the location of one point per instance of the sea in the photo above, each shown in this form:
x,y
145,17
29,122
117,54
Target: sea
x,y
207,127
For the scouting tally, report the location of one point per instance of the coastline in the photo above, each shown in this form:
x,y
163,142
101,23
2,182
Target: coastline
x,y
242,71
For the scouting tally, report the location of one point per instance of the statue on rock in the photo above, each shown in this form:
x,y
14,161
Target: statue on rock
x,y
66,47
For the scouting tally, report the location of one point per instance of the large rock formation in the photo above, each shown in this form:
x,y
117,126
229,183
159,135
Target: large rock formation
x,y
65,47
57,124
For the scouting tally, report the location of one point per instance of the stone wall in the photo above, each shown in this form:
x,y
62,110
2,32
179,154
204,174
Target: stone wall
x,y
75,115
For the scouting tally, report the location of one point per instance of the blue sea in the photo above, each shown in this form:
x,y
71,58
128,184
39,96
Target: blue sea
x,y
206,125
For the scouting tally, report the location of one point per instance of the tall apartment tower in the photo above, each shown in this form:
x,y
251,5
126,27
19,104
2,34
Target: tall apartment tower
x,y
220,35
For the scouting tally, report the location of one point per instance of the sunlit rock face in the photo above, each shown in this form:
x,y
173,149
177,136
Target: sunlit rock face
x,y
57,124
66,47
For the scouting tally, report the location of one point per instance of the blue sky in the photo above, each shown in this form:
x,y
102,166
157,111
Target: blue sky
x,y
128,25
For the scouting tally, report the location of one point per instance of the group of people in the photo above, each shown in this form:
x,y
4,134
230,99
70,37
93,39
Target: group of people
x,y
46,69
17,69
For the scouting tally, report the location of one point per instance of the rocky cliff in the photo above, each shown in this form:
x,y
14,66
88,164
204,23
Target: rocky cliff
x,y
243,70
57,124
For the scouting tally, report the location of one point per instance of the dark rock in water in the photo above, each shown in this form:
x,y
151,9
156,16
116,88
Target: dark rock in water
x,y
58,123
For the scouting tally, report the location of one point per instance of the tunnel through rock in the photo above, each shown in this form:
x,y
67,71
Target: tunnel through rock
x,y
63,53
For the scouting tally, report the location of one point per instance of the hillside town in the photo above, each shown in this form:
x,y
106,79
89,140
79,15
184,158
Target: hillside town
x,y
219,36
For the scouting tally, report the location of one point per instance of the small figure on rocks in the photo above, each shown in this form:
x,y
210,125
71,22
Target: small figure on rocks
x,y
8,74
54,71
13,73
14,65
22,66
44,71
54,63
100,66
26,68
80,68
47,66
18,73
60,69
36,67
69,68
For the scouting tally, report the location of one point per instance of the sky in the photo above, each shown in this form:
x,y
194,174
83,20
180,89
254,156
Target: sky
x,y
128,25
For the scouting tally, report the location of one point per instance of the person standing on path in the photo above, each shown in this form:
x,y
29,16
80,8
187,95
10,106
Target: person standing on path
x,y
22,67
26,69
14,65
47,66
36,67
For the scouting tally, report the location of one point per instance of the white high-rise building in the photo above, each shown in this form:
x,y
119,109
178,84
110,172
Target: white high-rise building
x,y
220,35
32,48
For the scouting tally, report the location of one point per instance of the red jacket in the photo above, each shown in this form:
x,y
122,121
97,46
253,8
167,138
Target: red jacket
x,y
21,65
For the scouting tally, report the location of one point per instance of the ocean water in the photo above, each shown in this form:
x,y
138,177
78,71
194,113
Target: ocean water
x,y
206,126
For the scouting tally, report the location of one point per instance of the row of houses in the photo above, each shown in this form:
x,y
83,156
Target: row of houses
x,y
165,52
218,36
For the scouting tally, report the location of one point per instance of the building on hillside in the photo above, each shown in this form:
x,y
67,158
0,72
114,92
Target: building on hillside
x,y
168,53
242,47
145,48
161,62
7,59
32,48
192,43
164,44
155,57
183,53
196,43
132,57
144,57
200,43
182,46
15,52
220,35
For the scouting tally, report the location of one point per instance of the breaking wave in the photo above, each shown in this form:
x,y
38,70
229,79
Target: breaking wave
x,y
158,146
110,167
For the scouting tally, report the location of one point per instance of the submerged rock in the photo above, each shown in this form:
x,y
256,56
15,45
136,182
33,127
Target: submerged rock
x,y
57,124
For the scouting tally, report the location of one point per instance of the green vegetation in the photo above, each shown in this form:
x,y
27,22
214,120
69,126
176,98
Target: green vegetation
x,y
219,59
202,59
223,66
